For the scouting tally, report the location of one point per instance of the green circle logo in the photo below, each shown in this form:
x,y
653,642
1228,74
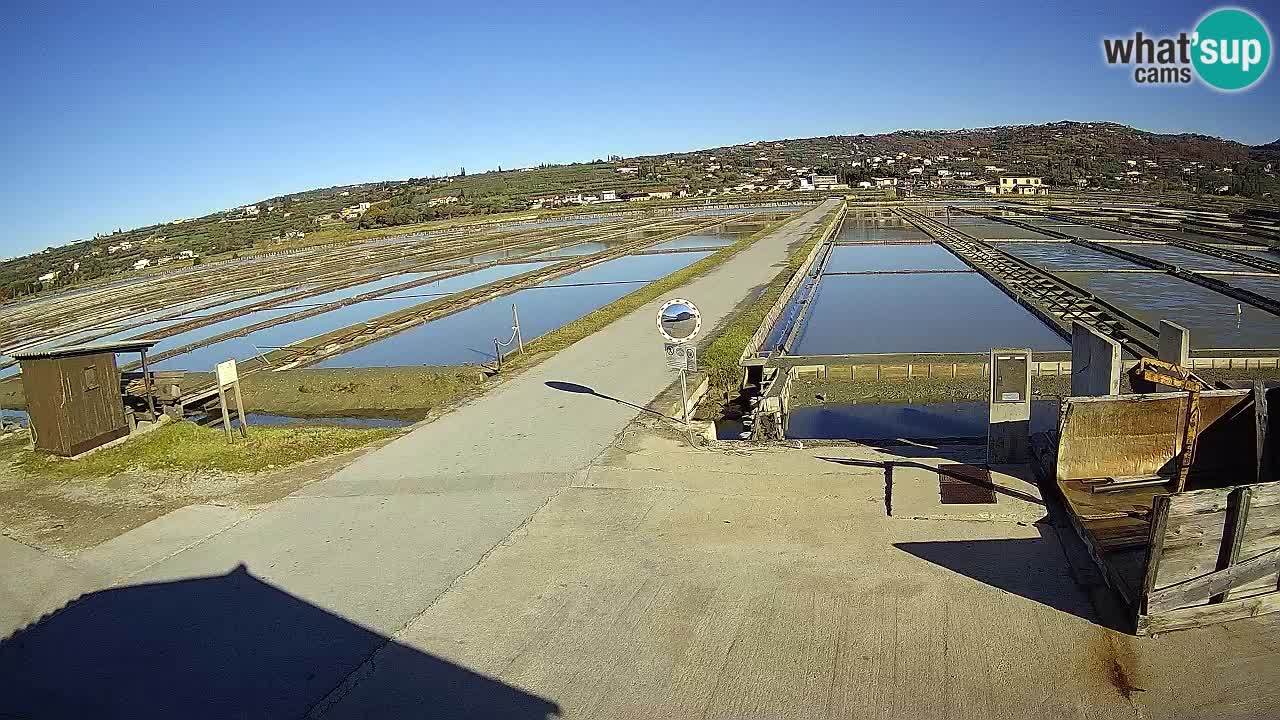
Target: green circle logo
x,y
1232,49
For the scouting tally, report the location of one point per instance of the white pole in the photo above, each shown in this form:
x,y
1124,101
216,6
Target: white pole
x,y
684,393
515,327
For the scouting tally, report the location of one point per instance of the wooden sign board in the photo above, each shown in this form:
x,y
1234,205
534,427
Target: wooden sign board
x,y
229,377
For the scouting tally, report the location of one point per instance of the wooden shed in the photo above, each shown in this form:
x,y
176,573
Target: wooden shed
x,y
73,395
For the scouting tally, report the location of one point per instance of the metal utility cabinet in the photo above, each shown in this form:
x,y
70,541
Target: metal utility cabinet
x,y
73,395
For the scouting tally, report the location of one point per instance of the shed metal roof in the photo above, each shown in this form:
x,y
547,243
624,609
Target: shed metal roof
x,y
87,349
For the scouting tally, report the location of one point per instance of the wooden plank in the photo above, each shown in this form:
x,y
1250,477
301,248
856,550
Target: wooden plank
x,y
1260,430
1118,534
1193,545
1211,500
1202,615
1194,591
1155,546
1094,506
1198,524
1114,579
1127,567
1233,534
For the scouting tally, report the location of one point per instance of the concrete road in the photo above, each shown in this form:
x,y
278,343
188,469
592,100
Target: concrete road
x,y
375,545
673,583
539,552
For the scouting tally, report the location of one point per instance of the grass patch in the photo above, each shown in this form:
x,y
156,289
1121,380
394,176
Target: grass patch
x,y
597,319
719,359
185,446
402,392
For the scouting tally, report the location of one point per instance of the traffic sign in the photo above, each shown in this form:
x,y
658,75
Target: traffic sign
x,y
681,356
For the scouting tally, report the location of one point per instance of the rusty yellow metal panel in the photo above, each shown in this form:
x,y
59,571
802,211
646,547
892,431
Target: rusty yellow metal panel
x,y
1122,435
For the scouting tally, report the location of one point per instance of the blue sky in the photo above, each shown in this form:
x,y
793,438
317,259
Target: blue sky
x,y
121,115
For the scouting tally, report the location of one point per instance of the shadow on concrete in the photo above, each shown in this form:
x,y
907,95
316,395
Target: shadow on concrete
x,y
224,646
584,390
976,475
1035,569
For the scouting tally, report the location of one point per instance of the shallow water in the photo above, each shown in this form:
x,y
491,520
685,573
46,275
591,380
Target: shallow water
x,y
877,258
467,336
703,238
1055,256
266,339
901,420
1185,258
1210,316
939,313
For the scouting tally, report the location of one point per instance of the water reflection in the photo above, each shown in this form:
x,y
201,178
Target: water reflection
x,y
935,421
935,313
467,336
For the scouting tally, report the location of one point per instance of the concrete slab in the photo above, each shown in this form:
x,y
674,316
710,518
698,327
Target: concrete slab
x,y
167,535
37,583
374,560
915,492
674,604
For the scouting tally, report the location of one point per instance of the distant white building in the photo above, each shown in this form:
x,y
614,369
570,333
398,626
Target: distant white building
x,y
608,196
885,181
628,170
1018,185
48,276
143,263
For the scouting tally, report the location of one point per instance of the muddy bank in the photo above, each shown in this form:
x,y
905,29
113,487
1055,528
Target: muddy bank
x,y
807,391
68,514
407,393
810,391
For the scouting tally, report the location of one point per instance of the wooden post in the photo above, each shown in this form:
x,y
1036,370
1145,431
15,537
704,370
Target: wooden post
x,y
146,383
226,417
1232,534
1260,420
1155,547
1190,433
244,421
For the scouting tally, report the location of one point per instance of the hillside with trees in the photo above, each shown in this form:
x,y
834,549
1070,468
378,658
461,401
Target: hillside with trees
x,y
1067,154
